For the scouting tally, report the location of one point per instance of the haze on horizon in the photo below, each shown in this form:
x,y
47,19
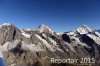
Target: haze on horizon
x,y
59,15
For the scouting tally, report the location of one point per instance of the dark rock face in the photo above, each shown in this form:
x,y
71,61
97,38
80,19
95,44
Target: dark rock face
x,y
37,47
87,40
66,38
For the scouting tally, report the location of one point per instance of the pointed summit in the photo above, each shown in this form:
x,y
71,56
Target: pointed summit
x,y
44,28
6,24
83,29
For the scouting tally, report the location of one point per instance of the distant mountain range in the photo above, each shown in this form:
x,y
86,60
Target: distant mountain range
x,y
28,47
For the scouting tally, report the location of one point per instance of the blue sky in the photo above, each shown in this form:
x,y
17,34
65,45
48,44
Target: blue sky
x,y
59,15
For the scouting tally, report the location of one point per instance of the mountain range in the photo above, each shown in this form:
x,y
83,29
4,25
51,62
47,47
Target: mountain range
x,y
35,47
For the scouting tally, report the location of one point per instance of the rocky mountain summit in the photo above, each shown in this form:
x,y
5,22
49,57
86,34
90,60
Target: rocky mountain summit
x,y
28,47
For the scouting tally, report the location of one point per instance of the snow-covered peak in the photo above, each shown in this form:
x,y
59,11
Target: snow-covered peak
x,y
83,29
42,25
43,28
6,24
